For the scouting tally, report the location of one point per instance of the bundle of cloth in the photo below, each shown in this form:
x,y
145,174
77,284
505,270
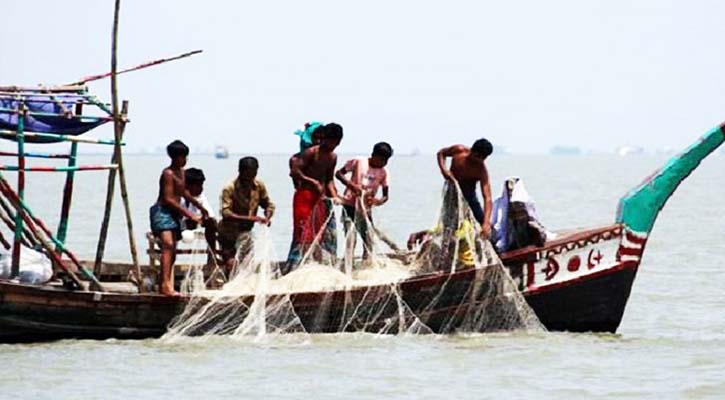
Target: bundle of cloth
x,y
35,267
515,221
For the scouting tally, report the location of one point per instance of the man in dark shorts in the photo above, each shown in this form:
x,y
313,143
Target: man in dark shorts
x,y
468,168
165,215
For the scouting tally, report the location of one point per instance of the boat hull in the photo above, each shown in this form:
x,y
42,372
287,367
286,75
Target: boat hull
x,y
440,301
32,313
590,298
580,283
592,305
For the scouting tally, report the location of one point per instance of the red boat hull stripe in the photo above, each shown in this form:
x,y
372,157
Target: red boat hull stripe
x,y
636,239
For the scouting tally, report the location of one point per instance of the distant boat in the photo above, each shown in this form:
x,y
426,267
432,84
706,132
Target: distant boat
x,y
565,151
630,151
221,152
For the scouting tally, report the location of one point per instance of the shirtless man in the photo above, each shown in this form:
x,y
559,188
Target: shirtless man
x,y
310,136
166,213
313,171
468,168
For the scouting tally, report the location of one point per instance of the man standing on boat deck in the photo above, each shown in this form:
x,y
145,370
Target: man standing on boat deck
x,y
310,135
165,216
367,175
314,171
468,168
240,201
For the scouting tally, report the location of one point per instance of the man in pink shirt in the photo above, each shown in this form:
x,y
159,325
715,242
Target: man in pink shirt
x,y
366,176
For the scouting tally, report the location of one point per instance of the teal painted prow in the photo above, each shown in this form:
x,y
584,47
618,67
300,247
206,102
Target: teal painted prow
x,y
638,210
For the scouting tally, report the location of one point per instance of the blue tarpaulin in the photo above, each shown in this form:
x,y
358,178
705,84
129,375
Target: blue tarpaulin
x,y
59,123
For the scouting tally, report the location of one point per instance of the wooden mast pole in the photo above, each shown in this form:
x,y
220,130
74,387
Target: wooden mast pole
x,y
15,262
68,188
110,193
118,125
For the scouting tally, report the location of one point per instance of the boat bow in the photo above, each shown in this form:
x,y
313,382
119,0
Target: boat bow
x,y
639,208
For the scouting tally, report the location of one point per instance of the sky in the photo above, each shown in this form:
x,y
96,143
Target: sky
x,y
527,75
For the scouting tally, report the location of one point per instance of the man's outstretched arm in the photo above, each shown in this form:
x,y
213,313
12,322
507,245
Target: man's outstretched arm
x,y
445,153
487,203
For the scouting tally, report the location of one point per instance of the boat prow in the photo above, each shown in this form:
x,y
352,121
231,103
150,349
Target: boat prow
x,y
581,282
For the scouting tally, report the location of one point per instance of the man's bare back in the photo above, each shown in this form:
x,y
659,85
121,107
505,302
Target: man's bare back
x,y
468,173
468,168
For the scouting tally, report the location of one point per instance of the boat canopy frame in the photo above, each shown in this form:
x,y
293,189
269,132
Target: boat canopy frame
x,y
44,115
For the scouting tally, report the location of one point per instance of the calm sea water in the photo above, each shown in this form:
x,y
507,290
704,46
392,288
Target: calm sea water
x,y
671,344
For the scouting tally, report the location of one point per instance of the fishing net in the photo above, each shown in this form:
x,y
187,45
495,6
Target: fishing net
x,y
248,305
450,281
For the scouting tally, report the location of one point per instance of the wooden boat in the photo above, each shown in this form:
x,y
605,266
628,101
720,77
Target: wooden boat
x,y
579,282
221,152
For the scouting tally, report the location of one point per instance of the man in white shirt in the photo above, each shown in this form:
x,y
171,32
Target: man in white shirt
x,y
195,186
367,176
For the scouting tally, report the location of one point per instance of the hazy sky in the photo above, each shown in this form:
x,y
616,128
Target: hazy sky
x,y
419,74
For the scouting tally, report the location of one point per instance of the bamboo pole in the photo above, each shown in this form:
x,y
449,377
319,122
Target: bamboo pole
x,y
33,155
4,242
15,266
68,188
110,193
136,68
8,216
42,98
45,114
119,126
59,138
35,223
60,169
56,89
98,103
18,204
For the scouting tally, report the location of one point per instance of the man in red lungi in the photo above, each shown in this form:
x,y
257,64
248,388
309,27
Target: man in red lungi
x,y
313,170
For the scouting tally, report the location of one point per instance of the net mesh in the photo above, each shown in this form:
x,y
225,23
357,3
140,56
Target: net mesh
x,y
451,281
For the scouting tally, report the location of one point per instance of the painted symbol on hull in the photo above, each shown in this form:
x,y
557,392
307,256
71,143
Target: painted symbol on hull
x,y
574,264
552,268
594,260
